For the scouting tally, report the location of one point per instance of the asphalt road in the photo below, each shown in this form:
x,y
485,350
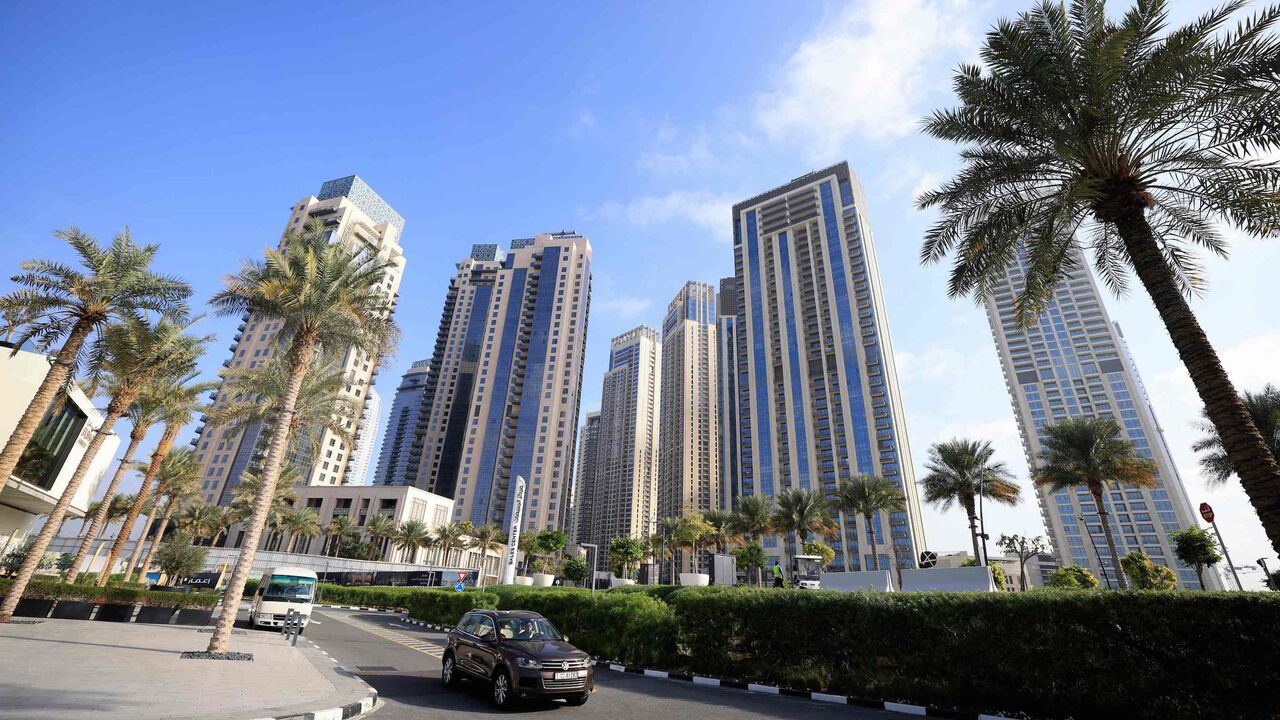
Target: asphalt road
x,y
403,662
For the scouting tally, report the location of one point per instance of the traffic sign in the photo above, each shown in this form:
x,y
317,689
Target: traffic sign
x,y
462,577
459,587
1206,512
928,559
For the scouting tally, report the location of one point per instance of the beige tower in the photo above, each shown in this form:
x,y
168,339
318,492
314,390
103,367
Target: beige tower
x,y
355,215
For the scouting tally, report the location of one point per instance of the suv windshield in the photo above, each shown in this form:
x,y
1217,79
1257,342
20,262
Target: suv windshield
x,y
289,588
527,629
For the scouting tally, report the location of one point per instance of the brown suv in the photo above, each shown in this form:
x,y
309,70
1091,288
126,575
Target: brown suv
x,y
521,654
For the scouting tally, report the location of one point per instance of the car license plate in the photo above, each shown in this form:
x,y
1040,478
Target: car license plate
x,y
571,675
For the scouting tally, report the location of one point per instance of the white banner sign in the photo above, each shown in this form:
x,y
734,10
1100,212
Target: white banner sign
x,y
513,534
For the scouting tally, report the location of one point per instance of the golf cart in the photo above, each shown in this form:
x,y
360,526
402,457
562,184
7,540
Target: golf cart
x,y
806,572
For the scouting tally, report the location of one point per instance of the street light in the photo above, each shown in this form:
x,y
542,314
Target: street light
x,y
591,567
982,518
1094,543
1266,574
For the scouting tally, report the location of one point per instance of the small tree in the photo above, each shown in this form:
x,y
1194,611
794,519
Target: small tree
x,y
625,553
11,563
1073,577
751,557
574,569
63,563
824,551
1024,548
1197,548
179,558
690,533
1147,575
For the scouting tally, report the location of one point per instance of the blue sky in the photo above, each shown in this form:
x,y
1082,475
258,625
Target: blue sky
x,y
636,124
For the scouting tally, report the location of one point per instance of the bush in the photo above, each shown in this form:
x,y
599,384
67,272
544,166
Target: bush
x,y
1147,575
375,596
1076,654
179,558
628,627
1072,577
39,589
251,587
657,592
446,607
12,560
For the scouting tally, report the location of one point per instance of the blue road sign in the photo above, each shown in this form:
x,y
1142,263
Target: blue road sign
x,y
458,587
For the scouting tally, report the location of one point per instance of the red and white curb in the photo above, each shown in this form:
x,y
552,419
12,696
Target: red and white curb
x,y
806,694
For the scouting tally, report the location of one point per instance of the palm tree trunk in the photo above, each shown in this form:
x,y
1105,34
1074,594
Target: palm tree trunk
x,y
100,517
114,411
40,403
300,356
144,492
1246,450
1104,516
871,535
155,542
973,535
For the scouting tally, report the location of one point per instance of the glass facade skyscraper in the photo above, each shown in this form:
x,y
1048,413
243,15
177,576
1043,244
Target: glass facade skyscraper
x,y
817,391
1073,362
401,444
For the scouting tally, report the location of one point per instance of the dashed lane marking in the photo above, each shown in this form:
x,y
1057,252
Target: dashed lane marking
x,y
426,648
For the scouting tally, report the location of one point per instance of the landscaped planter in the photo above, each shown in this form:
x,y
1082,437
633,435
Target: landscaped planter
x,y
156,615
34,607
114,612
616,581
543,579
695,579
72,610
194,616
524,580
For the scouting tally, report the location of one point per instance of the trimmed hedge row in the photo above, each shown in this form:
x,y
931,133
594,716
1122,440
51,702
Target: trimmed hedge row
x,y
1051,654
114,595
376,596
446,607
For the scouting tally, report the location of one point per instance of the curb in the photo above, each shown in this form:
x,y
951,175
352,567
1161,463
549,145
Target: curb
x,y
342,712
886,705
357,607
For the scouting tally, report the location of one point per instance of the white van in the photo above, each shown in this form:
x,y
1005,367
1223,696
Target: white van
x,y
281,590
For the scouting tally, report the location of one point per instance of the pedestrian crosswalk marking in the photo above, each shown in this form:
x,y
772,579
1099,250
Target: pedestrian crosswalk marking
x,y
427,648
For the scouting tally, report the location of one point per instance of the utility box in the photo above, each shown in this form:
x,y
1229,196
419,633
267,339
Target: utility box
x,y
959,579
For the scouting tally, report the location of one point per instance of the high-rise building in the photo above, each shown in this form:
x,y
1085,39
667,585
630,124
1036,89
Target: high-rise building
x,y
398,461
358,468
521,419
689,455
584,484
1073,362
817,392
358,217
727,390
623,499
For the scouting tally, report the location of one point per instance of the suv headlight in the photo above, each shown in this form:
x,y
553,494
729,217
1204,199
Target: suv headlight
x,y
529,664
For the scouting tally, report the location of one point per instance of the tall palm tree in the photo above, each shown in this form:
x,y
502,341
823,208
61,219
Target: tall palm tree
x,y
448,537
667,529
300,523
198,521
412,536
1091,452
339,529
379,528
132,352
1150,137
327,297
177,481
1264,408
753,517
803,512
961,472
58,300
722,534
181,402
486,538
864,496
283,496
220,521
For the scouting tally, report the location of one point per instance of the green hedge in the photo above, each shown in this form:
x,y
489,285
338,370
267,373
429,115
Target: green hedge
x,y
377,596
446,607
41,589
1045,654
657,592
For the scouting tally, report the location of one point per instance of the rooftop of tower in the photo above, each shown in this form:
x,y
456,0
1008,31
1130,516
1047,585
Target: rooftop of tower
x,y
364,197
840,170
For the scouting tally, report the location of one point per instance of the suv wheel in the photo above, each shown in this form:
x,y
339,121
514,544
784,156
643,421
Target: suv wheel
x,y
449,672
503,694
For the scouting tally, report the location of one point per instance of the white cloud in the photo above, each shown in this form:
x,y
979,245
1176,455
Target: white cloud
x,y
709,212
863,74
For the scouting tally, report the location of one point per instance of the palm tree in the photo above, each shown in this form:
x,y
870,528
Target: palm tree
x,y
864,496
412,536
449,536
199,521
327,298
692,531
220,522
1149,136
803,512
486,538
176,480
753,517
1264,408
667,529
181,402
283,496
300,523
59,300
379,528
1092,453
963,472
723,533
340,528
133,353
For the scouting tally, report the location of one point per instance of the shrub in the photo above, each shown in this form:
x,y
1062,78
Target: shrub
x,y
657,592
251,587
1147,575
12,560
1072,577
179,558
446,607
628,627
574,569
375,596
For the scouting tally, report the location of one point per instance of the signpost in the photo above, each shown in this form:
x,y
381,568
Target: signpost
x,y
928,559
1206,512
513,534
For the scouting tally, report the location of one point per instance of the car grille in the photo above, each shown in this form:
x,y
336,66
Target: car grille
x,y
563,665
574,684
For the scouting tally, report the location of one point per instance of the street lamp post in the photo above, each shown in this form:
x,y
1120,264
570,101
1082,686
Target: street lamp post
x,y
1094,543
1271,585
982,519
591,566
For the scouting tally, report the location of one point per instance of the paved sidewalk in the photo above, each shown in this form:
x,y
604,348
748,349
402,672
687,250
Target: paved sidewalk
x,y
131,671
